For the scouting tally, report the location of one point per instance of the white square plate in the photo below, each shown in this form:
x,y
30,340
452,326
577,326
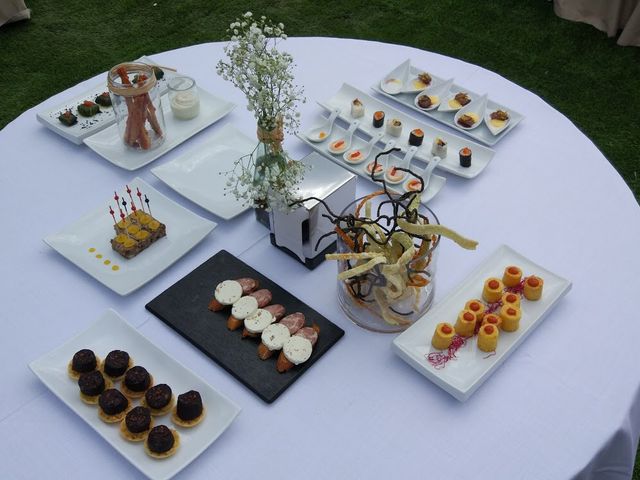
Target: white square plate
x,y
199,174
463,375
108,144
112,332
185,229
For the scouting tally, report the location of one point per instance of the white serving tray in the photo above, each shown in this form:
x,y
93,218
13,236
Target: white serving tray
x,y
199,174
108,144
435,184
482,155
463,375
112,332
185,229
481,133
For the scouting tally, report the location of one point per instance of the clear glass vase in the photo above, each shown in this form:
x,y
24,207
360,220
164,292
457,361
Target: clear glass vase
x,y
376,311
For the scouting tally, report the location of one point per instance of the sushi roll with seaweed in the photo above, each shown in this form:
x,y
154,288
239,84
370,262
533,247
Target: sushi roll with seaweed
x,y
378,119
357,108
439,148
394,127
68,118
88,108
465,157
104,99
416,137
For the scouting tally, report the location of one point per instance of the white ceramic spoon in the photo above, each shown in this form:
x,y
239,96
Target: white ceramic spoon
x,y
475,109
359,155
493,128
426,176
341,145
395,82
404,163
382,162
321,133
436,93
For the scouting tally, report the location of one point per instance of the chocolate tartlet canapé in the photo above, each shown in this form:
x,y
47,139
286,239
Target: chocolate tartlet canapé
x,y
136,381
116,363
83,361
189,410
137,424
159,399
162,442
113,405
92,384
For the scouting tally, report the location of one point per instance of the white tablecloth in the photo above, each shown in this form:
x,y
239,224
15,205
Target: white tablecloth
x,y
565,404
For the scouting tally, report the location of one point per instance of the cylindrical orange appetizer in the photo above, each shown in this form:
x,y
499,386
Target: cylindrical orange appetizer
x,y
533,288
510,315
492,291
443,336
488,338
466,323
492,319
511,298
512,276
477,307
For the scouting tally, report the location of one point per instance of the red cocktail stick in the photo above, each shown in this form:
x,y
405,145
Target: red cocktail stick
x,y
139,194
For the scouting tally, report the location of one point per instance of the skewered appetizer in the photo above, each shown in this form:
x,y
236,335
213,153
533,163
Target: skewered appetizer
x,y
357,108
104,99
68,118
88,108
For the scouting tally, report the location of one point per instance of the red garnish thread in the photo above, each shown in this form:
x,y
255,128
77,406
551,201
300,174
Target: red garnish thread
x,y
440,359
519,288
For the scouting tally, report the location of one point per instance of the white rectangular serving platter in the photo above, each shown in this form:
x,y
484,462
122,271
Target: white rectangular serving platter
x,y
88,126
463,375
199,174
108,144
112,332
482,155
480,133
185,229
435,184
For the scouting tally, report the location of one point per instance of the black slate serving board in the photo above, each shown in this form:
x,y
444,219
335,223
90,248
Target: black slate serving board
x,y
183,307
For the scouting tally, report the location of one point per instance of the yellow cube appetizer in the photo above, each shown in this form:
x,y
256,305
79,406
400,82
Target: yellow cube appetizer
x,y
466,323
443,336
512,276
493,289
511,298
533,288
492,319
477,307
488,338
510,317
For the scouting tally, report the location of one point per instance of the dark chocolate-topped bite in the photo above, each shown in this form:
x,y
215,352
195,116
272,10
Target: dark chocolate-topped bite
x,y
160,439
159,396
113,402
189,405
137,379
116,363
138,420
84,361
91,383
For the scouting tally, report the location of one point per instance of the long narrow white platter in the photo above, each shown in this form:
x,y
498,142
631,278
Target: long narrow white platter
x,y
435,184
462,375
108,144
88,126
481,155
85,243
481,133
111,332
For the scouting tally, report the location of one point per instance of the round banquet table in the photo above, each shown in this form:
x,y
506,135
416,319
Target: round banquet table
x,y
565,404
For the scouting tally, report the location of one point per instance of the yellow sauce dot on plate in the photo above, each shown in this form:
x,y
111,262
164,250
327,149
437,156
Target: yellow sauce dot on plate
x,y
99,255
497,123
107,262
92,249
115,267
454,104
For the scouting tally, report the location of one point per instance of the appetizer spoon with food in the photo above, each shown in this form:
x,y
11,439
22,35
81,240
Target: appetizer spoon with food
x,y
380,167
497,120
394,82
392,175
321,133
359,155
472,114
341,145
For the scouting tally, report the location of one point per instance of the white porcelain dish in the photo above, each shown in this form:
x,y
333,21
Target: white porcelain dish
x,y
111,332
108,144
405,79
475,109
482,155
463,375
199,174
93,230
88,126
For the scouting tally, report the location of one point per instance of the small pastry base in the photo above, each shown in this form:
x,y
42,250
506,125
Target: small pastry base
x,y
186,423
114,418
133,395
76,375
93,399
133,437
168,453
157,412
117,379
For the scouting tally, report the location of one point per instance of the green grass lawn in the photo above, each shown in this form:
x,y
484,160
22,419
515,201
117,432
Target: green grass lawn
x,y
574,67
